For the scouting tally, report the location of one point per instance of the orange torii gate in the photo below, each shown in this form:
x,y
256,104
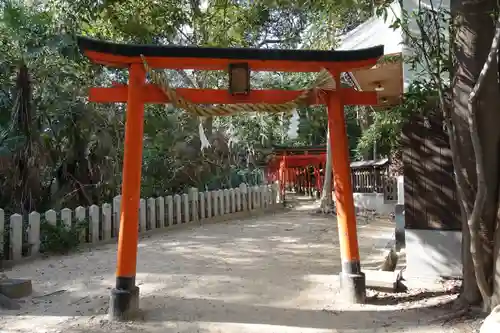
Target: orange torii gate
x,y
287,169
287,161
125,295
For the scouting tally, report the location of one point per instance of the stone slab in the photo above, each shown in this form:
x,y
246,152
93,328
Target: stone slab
x,y
433,253
382,280
16,288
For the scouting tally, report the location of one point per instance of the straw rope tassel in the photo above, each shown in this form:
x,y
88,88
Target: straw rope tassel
x,y
323,81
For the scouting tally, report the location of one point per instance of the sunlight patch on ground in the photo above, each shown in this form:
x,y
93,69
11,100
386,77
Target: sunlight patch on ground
x,y
251,328
272,274
283,239
38,324
305,207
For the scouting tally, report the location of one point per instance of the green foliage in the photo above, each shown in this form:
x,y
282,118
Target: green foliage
x,y
74,149
353,129
61,239
386,126
429,56
313,125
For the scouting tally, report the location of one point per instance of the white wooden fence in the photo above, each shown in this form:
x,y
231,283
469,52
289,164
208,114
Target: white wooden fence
x,y
102,223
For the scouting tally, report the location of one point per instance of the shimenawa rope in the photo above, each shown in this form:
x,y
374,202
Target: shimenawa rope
x,y
324,81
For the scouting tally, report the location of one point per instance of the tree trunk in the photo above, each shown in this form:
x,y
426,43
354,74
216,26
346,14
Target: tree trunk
x,y
474,35
326,196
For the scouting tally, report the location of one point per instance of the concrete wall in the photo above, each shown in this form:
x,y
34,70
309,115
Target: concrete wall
x,y
429,253
433,253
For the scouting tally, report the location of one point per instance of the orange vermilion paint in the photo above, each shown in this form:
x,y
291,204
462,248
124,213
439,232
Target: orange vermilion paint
x,y
131,183
346,218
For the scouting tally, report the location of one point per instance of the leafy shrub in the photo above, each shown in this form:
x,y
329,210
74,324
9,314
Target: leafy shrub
x,y
60,238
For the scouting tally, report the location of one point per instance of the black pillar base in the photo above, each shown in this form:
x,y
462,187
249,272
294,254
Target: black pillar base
x,y
124,304
353,287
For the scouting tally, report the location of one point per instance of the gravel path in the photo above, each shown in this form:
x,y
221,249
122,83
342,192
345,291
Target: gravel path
x,y
275,273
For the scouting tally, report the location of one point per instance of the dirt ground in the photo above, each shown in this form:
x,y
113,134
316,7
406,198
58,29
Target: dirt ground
x,y
275,273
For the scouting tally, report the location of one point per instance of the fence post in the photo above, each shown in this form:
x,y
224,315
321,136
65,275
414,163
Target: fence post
x,y
263,190
178,209
227,203
201,202
256,195
170,210
66,217
106,221
160,212
232,195
249,198
275,193
151,215
208,197
16,236
51,217
185,201
244,196
116,215
215,203
193,197
237,194
80,217
34,232
94,223
262,194
142,215
220,201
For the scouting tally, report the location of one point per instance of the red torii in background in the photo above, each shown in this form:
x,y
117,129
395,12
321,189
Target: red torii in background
x,y
295,172
298,168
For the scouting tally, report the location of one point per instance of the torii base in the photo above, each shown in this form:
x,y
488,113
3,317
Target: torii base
x,y
353,288
124,304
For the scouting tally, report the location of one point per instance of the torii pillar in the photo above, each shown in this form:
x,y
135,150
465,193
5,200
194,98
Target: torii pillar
x,y
125,295
352,280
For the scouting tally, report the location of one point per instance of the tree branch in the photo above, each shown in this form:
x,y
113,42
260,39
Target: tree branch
x,y
460,180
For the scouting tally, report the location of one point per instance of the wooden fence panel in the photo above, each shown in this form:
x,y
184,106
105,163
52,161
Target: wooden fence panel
x,y
429,186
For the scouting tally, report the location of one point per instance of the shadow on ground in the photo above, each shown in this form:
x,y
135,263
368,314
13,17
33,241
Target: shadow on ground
x,y
399,298
169,314
277,273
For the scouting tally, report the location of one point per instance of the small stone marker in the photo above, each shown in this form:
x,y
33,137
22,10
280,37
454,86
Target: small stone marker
x,y
15,288
382,280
